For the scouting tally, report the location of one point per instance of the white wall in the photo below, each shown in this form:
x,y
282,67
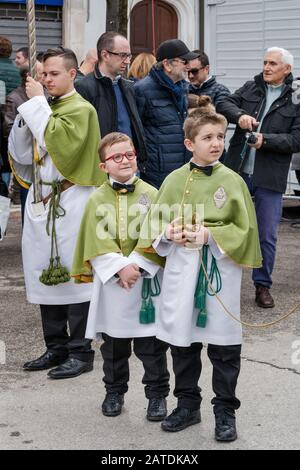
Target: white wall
x,y
96,15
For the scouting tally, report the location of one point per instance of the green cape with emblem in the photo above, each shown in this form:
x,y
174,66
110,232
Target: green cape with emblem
x,y
72,139
222,201
111,224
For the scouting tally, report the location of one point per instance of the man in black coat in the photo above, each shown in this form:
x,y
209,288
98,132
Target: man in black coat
x,y
162,104
111,95
268,106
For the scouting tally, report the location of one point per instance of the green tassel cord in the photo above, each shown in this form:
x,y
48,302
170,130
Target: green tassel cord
x,y
55,273
202,288
147,312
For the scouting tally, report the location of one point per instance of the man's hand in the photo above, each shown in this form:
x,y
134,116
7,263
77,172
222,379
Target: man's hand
x,y
259,141
129,275
175,232
248,122
33,88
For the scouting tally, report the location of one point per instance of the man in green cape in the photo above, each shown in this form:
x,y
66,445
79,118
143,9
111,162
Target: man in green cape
x,y
67,135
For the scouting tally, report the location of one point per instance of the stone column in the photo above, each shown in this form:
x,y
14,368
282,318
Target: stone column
x,y
74,24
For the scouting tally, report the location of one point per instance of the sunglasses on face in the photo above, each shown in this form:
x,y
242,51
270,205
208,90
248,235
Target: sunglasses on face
x,y
119,157
195,71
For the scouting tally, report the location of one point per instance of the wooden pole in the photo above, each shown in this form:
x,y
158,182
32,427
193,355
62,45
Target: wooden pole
x,y
30,10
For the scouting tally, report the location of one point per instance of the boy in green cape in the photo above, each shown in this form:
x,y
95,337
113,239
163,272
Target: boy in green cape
x,y
209,230
124,296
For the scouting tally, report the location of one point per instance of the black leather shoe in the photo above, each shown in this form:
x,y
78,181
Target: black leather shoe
x,y
46,361
180,418
72,367
157,409
112,405
225,430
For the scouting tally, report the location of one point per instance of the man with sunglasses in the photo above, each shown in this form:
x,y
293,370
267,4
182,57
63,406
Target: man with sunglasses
x,y
202,82
162,104
111,94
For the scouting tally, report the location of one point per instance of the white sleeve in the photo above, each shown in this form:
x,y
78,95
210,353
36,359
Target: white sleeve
x,y
20,142
217,252
106,266
150,267
162,245
36,113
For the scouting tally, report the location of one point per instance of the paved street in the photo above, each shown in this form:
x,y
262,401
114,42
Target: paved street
x,y
37,413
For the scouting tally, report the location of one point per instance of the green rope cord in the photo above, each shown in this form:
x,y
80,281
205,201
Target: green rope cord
x,y
147,312
202,287
55,273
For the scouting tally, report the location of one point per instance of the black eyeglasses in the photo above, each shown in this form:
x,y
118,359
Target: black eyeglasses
x,y
195,71
122,55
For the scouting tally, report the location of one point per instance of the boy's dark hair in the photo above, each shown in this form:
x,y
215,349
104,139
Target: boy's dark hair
x,y
24,51
107,42
111,139
199,118
5,47
202,57
70,59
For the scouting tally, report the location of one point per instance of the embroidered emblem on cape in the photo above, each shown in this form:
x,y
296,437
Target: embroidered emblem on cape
x,y
220,197
144,204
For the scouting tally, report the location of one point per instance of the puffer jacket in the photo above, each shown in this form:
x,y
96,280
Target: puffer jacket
x,y
163,125
280,129
10,75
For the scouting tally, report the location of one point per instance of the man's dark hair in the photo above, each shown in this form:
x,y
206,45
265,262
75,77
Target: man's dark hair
x,y
69,57
24,51
202,57
107,42
24,71
40,56
5,47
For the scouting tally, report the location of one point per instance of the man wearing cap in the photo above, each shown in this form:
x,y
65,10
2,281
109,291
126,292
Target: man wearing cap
x,y
162,104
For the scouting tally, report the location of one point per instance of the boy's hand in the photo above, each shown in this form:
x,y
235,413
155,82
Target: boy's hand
x,y
175,232
129,275
33,88
196,236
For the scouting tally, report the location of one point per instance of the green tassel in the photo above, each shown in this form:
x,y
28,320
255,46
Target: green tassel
x,y
200,300
202,319
151,311
55,274
144,313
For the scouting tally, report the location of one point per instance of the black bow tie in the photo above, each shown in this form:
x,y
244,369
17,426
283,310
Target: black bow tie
x,y
129,188
52,99
207,170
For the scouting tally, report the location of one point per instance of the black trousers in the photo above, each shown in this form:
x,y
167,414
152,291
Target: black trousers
x,y
187,368
56,319
151,351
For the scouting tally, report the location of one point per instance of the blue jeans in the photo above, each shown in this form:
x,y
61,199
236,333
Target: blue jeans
x,y
268,207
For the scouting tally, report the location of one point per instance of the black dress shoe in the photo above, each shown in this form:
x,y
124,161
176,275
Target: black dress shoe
x,y
225,430
72,367
112,405
46,361
157,409
180,418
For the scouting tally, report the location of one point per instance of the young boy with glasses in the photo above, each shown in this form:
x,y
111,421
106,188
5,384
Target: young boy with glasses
x,y
124,293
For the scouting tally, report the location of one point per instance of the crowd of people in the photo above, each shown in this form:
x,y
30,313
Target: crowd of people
x,y
145,221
